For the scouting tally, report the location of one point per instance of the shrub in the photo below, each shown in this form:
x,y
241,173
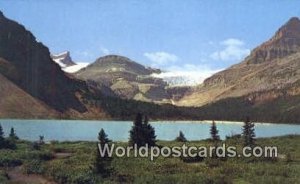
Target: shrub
x,y
33,167
192,159
3,177
7,160
35,146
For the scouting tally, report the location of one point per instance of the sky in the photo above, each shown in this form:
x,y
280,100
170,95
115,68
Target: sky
x,y
193,37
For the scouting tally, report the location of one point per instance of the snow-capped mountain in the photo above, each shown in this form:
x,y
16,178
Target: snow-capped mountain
x,y
66,63
63,59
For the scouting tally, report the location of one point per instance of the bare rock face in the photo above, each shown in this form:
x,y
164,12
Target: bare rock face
x,y
63,59
33,70
272,66
286,41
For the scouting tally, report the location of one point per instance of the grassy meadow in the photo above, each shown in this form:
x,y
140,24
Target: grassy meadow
x,y
73,162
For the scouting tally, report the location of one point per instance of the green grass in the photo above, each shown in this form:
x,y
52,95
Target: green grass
x,y
78,168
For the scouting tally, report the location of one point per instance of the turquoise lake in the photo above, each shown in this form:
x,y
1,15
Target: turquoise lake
x,y
75,130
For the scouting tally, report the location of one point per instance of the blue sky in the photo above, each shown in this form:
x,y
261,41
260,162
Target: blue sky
x,y
189,35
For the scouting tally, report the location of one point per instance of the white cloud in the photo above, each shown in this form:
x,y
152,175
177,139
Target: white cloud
x,y
187,74
161,58
234,50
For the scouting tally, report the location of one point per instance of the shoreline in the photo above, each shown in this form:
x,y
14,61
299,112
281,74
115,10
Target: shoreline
x,y
153,121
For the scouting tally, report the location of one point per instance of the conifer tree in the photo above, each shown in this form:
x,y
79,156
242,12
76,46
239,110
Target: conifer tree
x,y
136,132
13,135
103,138
149,133
142,132
214,132
2,140
102,163
248,133
181,137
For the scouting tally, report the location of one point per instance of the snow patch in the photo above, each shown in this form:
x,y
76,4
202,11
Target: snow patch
x,y
75,68
185,78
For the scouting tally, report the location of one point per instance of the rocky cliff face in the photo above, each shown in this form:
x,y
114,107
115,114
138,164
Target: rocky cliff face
x,y
33,69
286,41
272,66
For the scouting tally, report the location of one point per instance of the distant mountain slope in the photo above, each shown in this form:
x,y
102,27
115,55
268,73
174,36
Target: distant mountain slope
x,y
33,86
66,63
271,66
35,72
115,63
127,79
16,103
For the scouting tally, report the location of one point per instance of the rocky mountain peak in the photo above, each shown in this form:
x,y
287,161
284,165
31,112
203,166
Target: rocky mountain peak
x,y
286,41
116,63
63,59
289,31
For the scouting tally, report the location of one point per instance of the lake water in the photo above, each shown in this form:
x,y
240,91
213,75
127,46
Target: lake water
x,y
73,130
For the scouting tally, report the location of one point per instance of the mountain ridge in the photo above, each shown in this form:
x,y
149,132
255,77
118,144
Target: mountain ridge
x,y
258,72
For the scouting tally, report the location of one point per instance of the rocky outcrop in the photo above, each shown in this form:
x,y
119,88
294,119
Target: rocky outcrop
x,y
272,66
286,41
64,59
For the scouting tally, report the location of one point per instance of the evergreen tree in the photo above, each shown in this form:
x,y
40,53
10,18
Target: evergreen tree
x,y
41,139
136,132
149,133
181,137
142,132
103,138
2,140
13,135
214,132
102,163
248,133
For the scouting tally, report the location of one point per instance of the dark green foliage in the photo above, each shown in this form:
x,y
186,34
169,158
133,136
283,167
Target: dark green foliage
x,y
248,133
6,143
13,135
8,158
149,133
36,145
10,144
142,132
77,168
136,132
181,137
214,133
3,177
103,138
103,163
233,136
41,139
2,140
33,167
192,159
